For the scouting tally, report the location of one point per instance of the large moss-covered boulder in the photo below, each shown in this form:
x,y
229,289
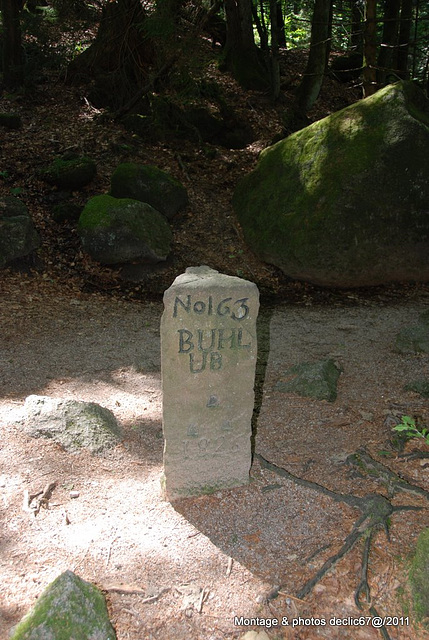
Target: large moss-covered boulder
x,y
151,185
120,230
69,608
345,201
71,172
18,236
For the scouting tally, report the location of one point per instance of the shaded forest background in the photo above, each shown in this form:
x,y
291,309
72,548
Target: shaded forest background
x,y
148,76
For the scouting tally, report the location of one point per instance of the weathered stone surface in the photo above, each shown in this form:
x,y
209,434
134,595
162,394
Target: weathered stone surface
x,y
72,424
415,338
420,386
208,355
18,236
313,379
149,184
70,173
419,576
119,230
69,609
344,202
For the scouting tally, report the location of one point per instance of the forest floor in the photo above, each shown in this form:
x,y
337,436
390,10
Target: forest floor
x,y
70,328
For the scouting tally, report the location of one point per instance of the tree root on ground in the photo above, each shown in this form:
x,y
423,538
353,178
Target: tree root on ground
x,y
375,513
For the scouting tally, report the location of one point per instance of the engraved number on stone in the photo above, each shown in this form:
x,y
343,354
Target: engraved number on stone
x,y
203,444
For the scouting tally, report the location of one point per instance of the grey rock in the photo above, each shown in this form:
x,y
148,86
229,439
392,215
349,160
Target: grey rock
x,y
151,185
312,379
344,202
420,386
72,424
69,609
120,230
413,339
18,236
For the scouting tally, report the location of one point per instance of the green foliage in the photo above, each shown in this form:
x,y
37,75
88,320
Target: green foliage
x,y
410,429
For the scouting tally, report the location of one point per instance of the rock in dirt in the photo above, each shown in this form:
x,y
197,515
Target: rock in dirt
x,y
312,379
344,202
72,424
151,185
121,230
70,172
414,338
18,236
419,576
68,608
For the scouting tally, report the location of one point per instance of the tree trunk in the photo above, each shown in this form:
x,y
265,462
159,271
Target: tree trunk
x,y
356,36
309,89
260,26
281,37
370,49
275,67
404,38
241,55
389,41
120,45
12,61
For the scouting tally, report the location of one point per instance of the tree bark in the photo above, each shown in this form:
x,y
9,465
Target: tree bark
x,y
389,42
12,60
275,66
356,36
309,89
370,49
241,55
404,37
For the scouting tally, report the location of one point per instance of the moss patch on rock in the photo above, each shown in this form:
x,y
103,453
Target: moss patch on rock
x,y
312,379
68,608
70,173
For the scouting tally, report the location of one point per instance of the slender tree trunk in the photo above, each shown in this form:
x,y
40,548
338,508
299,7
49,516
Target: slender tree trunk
x,y
356,36
12,62
370,48
404,37
280,25
275,67
260,27
389,41
309,89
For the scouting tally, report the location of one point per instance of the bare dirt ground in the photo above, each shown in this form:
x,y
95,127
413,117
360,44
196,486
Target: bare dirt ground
x,y
186,571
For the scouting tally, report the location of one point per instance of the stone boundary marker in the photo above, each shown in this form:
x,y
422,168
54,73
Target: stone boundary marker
x,y
208,360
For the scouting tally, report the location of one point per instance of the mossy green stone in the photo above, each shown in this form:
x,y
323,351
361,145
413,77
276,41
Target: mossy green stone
x,y
312,379
420,386
151,185
344,201
72,174
117,230
68,608
419,576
